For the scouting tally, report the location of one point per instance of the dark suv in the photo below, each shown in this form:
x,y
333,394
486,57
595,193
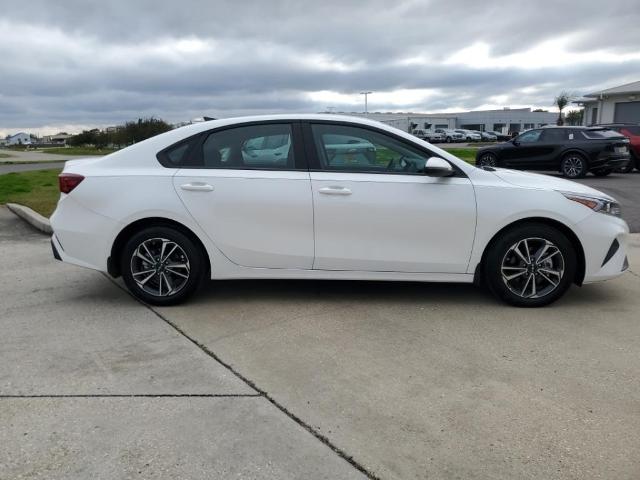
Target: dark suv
x,y
573,151
632,132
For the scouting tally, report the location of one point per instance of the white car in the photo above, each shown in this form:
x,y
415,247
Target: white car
x,y
470,135
450,135
260,197
428,135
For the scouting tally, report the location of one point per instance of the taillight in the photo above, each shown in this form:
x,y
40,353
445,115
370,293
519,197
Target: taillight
x,y
69,181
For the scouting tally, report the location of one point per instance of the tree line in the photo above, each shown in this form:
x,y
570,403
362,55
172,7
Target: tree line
x,y
121,135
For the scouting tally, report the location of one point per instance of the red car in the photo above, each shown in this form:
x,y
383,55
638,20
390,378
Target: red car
x,y
632,132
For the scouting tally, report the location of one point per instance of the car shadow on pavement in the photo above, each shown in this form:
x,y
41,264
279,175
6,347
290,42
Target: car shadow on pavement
x,y
379,292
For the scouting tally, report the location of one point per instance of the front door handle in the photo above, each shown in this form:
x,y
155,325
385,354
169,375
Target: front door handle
x,y
197,187
335,191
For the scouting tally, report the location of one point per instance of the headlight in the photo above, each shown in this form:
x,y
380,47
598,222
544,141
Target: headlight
x,y
597,204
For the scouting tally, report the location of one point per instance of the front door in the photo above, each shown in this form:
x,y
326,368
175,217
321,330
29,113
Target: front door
x,y
251,194
375,210
524,151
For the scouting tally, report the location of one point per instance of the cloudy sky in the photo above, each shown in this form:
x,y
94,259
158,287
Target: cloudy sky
x,y
71,64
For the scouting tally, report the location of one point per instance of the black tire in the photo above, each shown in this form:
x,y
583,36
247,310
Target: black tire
x,y
501,258
448,140
602,173
487,160
187,259
573,165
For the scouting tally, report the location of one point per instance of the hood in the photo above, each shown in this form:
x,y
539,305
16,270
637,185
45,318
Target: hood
x,y
546,182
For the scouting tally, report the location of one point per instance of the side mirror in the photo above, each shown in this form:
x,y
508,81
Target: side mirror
x,y
438,167
515,142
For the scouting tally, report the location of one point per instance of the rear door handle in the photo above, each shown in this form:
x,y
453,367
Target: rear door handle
x,y
335,191
197,187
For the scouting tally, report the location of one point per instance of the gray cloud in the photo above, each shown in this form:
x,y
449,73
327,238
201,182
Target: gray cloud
x,y
99,63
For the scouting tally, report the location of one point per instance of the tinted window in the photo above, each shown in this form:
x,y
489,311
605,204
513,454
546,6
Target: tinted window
x,y
353,149
251,147
177,155
530,136
600,133
557,135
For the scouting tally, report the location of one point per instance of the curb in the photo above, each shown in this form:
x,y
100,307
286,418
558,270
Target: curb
x,y
31,217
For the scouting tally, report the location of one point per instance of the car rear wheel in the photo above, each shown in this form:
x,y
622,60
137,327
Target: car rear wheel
x,y
449,140
573,166
487,160
162,266
530,266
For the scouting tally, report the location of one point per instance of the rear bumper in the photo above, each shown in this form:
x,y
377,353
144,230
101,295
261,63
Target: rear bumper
x,y
611,162
80,236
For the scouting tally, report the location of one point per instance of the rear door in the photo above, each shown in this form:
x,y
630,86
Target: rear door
x,y
249,190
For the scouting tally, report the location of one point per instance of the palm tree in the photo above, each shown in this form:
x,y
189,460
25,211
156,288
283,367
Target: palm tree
x,y
574,117
562,101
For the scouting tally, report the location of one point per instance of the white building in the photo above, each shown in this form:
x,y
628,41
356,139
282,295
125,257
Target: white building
x,y
613,105
507,120
20,138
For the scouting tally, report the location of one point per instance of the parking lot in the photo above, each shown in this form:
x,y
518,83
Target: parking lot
x,y
309,379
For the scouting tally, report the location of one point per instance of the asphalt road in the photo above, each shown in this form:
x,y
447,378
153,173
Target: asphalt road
x,y
278,379
24,167
624,187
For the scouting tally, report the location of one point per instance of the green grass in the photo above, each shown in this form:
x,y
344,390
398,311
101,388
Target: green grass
x,y
37,189
5,155
466,154
78,150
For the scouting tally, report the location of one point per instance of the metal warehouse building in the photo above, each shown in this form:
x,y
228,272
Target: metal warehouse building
x,y
507,120
618,104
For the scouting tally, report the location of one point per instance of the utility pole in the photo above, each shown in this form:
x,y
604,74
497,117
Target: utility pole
x,y
365,100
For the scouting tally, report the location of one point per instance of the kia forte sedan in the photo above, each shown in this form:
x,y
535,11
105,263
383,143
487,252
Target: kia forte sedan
x,y
327,197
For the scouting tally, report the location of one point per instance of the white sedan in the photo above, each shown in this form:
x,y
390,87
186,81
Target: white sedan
x,y
263,197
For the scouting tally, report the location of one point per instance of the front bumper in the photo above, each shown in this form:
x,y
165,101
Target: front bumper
x,y
605,240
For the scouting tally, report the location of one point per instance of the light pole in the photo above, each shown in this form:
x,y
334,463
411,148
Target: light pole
x,y
365,100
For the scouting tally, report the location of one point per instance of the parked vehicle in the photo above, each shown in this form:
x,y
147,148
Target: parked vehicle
x,y
502,137
428,135
469,135
487,136
632,132
190,204
450,135
573,151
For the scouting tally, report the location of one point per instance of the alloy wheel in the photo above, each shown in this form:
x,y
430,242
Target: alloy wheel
x,y
532,268
573,166
160,267
487,160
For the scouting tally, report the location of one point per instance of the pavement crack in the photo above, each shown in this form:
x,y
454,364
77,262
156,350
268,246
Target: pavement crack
x,y
262,393
137,395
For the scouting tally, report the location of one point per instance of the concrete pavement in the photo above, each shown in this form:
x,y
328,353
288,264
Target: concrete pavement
x,y
95,385
275,379
441,381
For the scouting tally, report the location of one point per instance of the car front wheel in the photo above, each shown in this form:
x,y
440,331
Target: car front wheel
x,y
530,266
162,266
573,166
